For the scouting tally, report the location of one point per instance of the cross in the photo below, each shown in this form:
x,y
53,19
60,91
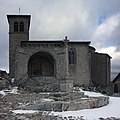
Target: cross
x,y
19,10
66,57
66,39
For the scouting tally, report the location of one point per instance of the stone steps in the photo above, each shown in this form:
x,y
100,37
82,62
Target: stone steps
x,y
40,84
58,101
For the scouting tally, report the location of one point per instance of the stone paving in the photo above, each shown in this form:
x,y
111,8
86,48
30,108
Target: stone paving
x,y
47,101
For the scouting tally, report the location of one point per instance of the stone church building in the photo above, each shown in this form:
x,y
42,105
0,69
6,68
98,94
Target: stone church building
x,y
116,84
49,65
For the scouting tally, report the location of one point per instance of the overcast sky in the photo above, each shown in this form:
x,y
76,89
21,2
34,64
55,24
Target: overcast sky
x,y
94,20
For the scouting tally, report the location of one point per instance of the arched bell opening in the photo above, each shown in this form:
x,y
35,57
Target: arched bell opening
x,y
41,64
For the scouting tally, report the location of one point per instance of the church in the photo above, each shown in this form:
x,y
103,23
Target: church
x,y
53,65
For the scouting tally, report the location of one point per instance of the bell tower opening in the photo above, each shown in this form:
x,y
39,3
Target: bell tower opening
x,y
41,64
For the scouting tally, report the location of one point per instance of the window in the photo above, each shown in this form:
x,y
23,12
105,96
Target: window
x,y
21,26
72,56
15,26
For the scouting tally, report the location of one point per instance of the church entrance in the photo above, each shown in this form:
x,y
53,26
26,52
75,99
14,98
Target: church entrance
x,y
41,64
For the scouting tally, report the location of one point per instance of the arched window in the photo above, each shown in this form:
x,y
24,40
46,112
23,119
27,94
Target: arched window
x,y
21,26
72,56
15,26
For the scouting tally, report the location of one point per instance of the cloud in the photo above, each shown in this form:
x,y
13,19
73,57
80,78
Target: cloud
x,y
108,33
107,40
63,19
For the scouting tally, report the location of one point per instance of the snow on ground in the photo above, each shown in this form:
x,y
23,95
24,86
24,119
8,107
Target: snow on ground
x,y
2,93
47,100
93,94
24,111
13,91
111,110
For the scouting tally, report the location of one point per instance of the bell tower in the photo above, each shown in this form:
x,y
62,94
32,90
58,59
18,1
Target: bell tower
x,y
18,31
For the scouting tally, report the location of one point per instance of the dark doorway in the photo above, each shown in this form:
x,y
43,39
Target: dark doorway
x,y
116,88
41,64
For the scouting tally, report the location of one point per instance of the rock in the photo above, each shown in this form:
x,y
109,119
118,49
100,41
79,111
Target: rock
x,y
4,83
21,118
57,106
109,118
44,106
69,106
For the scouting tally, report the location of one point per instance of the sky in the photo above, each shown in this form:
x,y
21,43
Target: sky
x,y
94,20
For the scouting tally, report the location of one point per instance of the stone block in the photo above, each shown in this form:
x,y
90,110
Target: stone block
x,y
45,106
66,85
94,103
4,84
57,106
69,106
84,104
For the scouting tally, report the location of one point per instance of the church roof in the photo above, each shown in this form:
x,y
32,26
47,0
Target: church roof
x,y
56,41
105,54
116,78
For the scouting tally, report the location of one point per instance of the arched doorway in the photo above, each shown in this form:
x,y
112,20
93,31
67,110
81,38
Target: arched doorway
x,y
116,88
41,64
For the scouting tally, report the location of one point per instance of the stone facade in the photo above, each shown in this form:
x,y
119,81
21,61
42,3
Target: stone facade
x,y
61,63
4,80
54,101
15,37
116,84
4,74
100,66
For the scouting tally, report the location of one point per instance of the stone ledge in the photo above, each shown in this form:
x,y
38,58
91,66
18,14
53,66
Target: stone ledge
x,y
60,106
58,101
71,102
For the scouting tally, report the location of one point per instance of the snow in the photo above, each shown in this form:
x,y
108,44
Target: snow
x,y
2,93
111,110
47,100
13,91
13,79
93,94
24,111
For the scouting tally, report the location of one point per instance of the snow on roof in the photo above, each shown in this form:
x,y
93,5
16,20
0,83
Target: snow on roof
x,y
56,40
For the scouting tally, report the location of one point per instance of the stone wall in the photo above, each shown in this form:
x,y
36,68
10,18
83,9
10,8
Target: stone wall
x,y
40,102
81,70
116,84
87,103
15,38
80,74
24,54
64,101
100,66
